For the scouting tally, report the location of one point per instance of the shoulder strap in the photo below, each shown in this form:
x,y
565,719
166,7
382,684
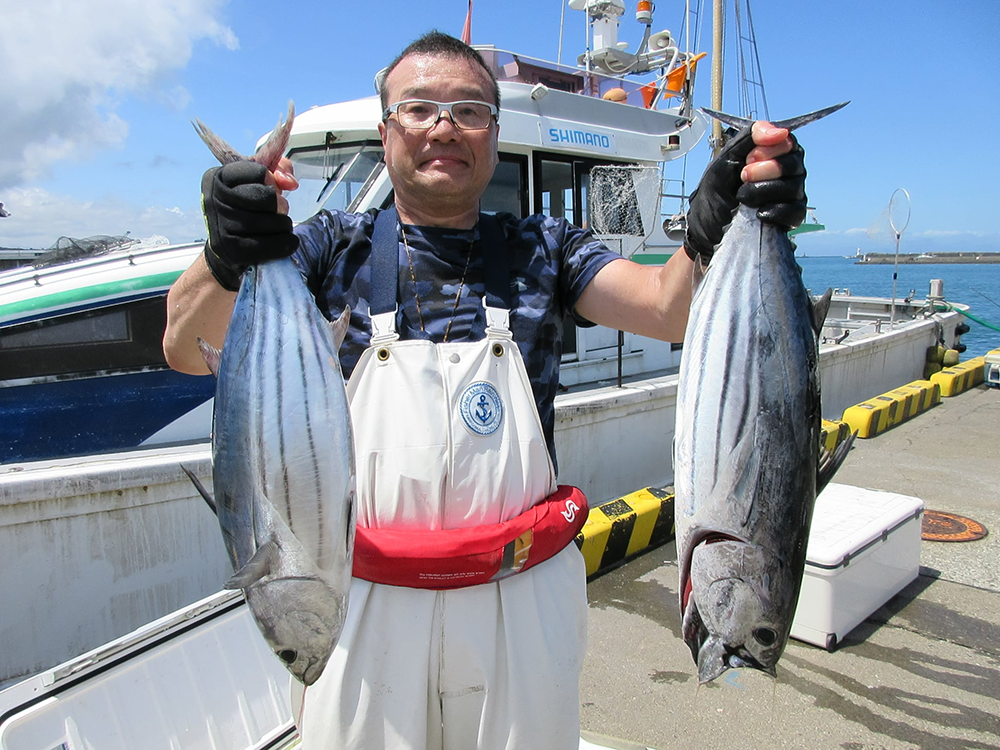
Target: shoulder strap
x,y
496,263
385,262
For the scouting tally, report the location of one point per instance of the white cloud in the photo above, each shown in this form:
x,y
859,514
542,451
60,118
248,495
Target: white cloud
x,y
41,217
63,64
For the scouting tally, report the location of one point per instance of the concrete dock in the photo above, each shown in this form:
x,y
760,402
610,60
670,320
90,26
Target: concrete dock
x,y
922,672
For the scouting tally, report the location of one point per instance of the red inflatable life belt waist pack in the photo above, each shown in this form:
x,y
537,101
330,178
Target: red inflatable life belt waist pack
x,y
455,558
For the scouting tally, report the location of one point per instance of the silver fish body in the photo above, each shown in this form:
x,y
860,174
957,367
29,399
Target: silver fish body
x,y
746,449
283,461
283,452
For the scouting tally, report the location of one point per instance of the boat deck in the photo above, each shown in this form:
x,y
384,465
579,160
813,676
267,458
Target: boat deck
x,y
922,671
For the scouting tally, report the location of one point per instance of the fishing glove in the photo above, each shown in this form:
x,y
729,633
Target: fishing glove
x,y
780,202
244,226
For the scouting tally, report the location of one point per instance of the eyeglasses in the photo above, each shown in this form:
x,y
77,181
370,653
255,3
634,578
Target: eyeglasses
x,y
421,114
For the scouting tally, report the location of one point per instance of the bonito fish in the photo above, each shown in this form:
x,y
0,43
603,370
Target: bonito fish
x,y
746,447
283,455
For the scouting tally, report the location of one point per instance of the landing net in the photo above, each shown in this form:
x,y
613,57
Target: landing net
x,y
623,200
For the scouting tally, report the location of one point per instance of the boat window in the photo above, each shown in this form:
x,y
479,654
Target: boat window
x,y
112,338
331,177
556,193
507,191
110,327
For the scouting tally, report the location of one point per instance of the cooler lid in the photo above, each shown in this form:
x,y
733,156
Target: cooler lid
x,y
848,520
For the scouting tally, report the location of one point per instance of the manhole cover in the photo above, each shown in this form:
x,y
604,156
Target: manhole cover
x,y
939,526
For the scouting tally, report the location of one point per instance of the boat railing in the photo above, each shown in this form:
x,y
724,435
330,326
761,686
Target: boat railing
x,y
133,256
677,68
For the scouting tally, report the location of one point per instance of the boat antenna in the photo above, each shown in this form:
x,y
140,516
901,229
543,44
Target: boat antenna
x,y
752,93
899,217
562,25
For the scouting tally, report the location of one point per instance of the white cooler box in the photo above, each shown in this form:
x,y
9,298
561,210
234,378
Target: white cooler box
x,y
992,372
864,548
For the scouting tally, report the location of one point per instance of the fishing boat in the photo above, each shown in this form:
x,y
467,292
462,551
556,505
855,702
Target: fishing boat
x,y
81,361
130,642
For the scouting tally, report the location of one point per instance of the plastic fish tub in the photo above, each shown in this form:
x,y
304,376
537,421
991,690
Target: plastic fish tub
x,y
864,548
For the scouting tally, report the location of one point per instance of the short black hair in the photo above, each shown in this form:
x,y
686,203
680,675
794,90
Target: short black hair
x,y
438,43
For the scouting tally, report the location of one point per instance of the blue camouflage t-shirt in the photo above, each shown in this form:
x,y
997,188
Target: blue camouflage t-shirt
x,y
551,262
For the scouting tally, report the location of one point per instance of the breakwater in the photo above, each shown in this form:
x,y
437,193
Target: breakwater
x,y
883,259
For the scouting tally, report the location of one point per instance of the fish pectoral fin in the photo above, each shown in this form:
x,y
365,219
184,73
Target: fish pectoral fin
x,y
339,327
830,462
256,568
820,308
741,471
212,355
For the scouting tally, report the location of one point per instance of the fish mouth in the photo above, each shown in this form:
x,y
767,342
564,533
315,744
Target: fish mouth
x,y
715,657
311,673
712,654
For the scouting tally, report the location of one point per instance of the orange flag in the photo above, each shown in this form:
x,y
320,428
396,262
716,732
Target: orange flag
x,y
467,29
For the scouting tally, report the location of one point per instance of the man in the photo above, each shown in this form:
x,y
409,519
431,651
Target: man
x,y
452,398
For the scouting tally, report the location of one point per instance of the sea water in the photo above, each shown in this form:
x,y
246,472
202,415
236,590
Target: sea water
x,y
975,285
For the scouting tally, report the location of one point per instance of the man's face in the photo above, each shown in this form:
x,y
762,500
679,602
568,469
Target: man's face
x,y
442,169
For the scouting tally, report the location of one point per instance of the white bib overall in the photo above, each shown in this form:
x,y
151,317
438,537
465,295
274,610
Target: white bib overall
x,y
447,436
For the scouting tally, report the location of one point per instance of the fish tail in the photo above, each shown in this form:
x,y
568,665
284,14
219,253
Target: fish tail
x,y
791,123
274,148
225,153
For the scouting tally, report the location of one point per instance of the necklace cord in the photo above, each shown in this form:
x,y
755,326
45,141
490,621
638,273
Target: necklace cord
x,y
416,295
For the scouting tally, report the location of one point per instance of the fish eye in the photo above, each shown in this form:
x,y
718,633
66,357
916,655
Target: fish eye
x,y
765,636
287,655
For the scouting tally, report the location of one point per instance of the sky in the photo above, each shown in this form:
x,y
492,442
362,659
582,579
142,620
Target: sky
x,y
96,100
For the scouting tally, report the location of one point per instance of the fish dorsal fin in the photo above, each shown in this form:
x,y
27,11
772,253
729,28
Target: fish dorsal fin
x,y
830,462
820,308
212,355
256,568
339,327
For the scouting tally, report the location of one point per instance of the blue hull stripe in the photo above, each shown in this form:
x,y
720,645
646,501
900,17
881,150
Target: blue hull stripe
x,y
94,415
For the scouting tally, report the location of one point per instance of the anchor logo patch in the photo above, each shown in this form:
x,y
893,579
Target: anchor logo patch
x,y
481,408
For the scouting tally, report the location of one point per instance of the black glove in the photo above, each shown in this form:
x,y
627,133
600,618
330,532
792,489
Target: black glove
x,y
781,202
244,226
